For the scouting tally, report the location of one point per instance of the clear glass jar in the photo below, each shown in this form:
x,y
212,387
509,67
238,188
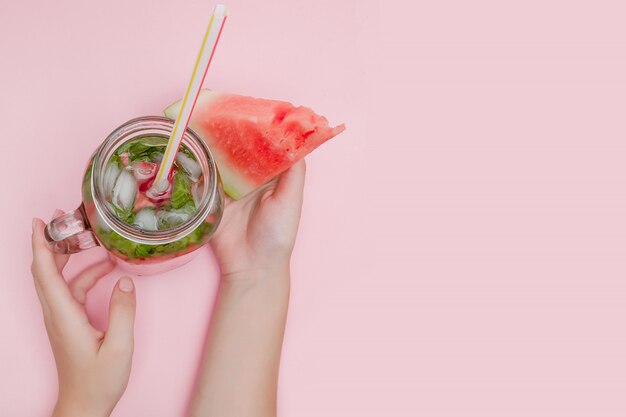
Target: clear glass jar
x,y
141,252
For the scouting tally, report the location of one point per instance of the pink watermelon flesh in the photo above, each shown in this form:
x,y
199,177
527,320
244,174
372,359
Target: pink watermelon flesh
x,y
254,139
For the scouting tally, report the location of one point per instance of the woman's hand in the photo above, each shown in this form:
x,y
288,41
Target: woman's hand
x,y
93,367
239,374
258,232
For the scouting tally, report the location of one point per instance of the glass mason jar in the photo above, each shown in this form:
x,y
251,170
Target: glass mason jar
x,y
94,222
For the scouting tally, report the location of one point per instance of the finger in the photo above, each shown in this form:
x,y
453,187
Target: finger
x,y
119,338
59,258
227,200
51,284
88,278
291,183
42,300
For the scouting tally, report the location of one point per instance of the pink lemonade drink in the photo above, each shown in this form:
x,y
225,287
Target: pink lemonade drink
x,y
143,232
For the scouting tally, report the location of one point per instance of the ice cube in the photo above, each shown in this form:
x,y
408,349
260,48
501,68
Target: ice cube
x,y
146,219
197,191
189,165
111,173
125,191
172,217
156,157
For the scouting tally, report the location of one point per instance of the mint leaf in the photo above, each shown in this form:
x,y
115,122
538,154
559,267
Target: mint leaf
x,y
127,216
115,159
142,144
148,149
181,191
113,241
144,251
145,149
187,152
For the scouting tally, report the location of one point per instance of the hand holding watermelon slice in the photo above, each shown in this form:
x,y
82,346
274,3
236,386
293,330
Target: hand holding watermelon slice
x,y
250,239
254,139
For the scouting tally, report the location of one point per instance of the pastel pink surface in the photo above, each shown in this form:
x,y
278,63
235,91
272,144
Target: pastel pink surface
x,y
461,250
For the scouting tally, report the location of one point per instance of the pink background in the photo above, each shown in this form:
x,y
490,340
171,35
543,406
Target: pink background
x,y
462,247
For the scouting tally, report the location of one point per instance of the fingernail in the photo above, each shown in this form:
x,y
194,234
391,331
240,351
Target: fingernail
x,y
126,284
34,223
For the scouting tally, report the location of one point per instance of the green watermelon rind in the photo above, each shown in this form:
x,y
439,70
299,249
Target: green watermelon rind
x,y
232,193
171,111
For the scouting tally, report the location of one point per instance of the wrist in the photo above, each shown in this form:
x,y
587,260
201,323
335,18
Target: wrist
x,y
275,272
256,293
260,284
68,408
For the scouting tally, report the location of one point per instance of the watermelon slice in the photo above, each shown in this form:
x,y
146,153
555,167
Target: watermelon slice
x,y
254,139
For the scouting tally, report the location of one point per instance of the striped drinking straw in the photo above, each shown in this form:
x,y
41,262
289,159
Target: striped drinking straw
x,y
207,49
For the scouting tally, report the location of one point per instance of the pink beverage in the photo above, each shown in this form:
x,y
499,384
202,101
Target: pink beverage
x,y
143,232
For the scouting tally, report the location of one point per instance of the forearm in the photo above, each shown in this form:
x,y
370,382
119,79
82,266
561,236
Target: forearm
x,y
73,409
239,373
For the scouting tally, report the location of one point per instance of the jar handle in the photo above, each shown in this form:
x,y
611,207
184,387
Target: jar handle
x,y
70,232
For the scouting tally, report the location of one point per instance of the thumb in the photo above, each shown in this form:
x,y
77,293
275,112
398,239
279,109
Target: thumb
x,y
119,337
291,183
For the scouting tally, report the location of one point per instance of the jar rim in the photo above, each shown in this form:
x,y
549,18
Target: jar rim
x,y
153,125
